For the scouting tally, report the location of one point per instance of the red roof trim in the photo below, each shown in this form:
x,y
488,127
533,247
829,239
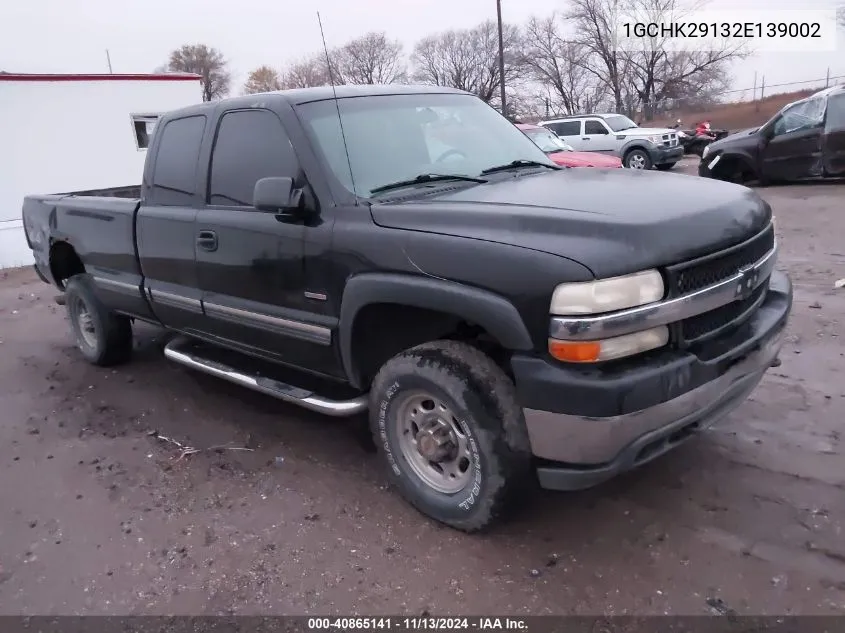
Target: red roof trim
x,y
103,77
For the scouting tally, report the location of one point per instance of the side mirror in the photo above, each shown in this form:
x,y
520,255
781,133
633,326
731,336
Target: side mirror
x,y
277,195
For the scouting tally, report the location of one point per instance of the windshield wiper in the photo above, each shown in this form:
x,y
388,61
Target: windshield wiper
x,y
423,179
515,164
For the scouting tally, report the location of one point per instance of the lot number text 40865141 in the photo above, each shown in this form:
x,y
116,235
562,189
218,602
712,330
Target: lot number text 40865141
x,y
416,624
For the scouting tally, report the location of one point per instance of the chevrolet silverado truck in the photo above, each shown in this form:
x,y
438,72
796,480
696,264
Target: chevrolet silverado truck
x,y
407,252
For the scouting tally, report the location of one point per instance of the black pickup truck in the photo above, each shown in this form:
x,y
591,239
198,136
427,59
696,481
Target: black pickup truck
x,y
408,252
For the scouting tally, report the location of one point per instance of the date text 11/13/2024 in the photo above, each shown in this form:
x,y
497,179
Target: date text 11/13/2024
x,y
421,623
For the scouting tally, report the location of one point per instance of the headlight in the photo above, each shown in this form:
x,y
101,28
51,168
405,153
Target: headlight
x,y
607,295
609,348
656,139
706,151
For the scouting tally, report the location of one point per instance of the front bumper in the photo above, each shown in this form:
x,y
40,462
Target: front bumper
x,y
663,155
704,166
588,426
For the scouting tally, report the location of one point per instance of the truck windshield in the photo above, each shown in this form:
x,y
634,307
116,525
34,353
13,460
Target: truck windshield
x,y
547,140
617,122
396,138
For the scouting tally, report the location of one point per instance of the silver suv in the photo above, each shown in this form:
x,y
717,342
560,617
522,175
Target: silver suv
x,y
638,147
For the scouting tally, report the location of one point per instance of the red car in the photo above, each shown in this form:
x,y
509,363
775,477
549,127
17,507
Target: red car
x,y
563,154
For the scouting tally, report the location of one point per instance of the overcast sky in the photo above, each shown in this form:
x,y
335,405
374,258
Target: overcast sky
x,y
71,36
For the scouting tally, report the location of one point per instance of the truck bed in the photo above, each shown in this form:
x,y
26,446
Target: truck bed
x,y
98,224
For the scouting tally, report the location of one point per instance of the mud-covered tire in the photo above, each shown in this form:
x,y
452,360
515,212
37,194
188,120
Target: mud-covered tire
x,y
483,399
103,337
637,159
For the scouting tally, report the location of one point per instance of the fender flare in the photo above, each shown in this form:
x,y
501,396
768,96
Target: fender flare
x,y
494,313
635,143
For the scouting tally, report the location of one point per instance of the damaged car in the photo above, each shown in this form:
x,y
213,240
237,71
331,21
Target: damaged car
x,y
806,139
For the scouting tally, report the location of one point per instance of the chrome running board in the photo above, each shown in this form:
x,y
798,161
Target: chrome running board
x,y
178,351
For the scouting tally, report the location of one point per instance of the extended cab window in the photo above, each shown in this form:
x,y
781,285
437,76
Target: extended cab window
x,y
175,170
250,145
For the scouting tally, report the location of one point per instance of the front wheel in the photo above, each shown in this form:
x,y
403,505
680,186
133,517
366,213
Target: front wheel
x,y
637,159
447,425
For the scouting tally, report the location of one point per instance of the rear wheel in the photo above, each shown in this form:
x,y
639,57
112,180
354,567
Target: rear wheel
x,y
447,425
103,337
637,159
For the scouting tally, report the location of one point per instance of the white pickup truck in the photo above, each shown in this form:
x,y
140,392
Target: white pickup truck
x,y
638,147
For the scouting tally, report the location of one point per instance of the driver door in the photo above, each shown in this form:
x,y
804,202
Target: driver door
x,y
794,150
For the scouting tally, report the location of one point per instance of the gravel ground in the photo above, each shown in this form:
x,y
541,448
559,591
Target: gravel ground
x,y
99,517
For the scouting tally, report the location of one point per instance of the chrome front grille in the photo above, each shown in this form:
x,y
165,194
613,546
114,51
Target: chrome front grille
x,y
670,140
689,277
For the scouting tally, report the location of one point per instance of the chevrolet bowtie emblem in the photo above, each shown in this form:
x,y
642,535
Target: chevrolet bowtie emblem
x,y
746,284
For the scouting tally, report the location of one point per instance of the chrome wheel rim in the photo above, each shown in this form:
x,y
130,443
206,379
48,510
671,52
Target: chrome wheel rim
x,y
433,442
636,161
85,323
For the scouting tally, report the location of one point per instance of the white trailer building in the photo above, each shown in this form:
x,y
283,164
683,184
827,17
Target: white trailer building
x,y
63,133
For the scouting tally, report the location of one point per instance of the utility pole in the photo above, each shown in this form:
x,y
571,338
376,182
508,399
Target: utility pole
x,y
108,59
501,58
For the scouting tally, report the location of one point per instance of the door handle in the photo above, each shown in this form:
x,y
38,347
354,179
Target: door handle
x,y
207,240
585,138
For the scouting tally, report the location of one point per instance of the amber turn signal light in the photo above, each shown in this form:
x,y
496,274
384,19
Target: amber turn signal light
x,y
575,351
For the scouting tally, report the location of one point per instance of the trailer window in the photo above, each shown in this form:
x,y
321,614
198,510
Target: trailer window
x,y
143,126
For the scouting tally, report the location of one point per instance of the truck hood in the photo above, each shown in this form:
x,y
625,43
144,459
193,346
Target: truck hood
x,y
745,138
613,221
646,131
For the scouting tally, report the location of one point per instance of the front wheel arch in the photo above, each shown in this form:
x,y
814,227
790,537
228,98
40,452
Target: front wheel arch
x,y
735,168
491,313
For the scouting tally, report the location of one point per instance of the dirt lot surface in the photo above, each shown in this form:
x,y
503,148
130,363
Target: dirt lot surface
x,y
99,517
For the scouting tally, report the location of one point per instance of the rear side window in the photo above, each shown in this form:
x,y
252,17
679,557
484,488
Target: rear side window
x,y
175,171
250,145
836,112
565,128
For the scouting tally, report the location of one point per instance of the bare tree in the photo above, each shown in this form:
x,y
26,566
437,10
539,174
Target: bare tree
x,y
469,59
370,59
262,79
559,66
656,72
840,16
594,21
208,63
307,72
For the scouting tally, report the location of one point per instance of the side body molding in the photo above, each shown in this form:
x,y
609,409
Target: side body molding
x,y
492,312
